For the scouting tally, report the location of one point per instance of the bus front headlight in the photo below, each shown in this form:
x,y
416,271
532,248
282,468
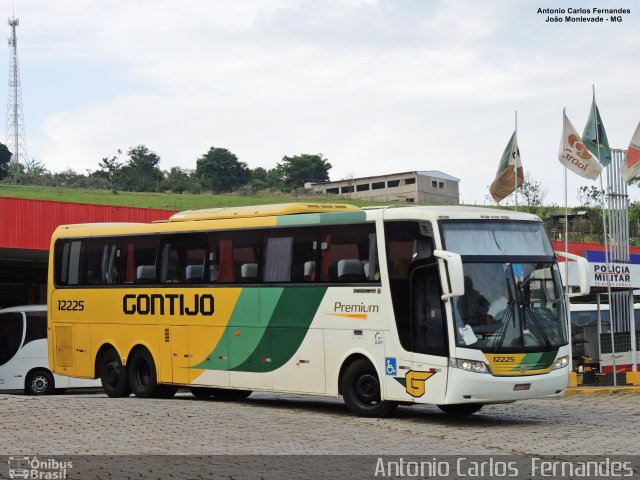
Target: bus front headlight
x,y
561,362
470,365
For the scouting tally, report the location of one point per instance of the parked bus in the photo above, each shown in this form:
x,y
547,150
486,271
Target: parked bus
x,y
452,306
593,344
24,362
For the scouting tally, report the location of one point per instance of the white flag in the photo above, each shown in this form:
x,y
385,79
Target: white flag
x,y
575,154
631,165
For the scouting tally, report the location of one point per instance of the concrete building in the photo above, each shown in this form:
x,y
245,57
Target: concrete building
x,y
430,186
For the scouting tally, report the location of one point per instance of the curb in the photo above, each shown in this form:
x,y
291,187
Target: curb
x,y
601,390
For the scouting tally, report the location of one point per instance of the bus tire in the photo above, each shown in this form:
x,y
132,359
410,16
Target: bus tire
x,y
39,382
460,409
143,377
201,392
360,388
113,375
228,394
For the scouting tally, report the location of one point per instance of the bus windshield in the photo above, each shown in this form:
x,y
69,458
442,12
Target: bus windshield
x,y
513,296
496,238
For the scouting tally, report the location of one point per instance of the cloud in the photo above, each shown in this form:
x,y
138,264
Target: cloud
x,y
372,85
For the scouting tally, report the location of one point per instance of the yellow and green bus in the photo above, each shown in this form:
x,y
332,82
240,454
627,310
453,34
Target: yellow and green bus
x,y
453,306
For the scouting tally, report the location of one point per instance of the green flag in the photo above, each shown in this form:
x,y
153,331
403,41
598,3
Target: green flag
x,y
594,136
509,172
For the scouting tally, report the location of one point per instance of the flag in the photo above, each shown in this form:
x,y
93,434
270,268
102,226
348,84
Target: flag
x,y
575,155
594,136
631,165
504,183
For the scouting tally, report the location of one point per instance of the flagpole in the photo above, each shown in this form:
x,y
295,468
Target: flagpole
x,y
515,169
607,255
566,260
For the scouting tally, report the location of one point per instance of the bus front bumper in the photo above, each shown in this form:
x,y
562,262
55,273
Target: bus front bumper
x,y
471,387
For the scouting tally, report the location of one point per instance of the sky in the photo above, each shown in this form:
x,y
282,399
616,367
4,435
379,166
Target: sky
x,y
376,86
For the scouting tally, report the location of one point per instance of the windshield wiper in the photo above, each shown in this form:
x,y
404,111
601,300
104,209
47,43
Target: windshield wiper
x,y
528,310
502,333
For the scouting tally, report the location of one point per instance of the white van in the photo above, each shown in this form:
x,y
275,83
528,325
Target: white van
x,y
24,362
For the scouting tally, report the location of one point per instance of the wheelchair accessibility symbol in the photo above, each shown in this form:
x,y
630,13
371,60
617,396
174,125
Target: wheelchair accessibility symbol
x,y
390,365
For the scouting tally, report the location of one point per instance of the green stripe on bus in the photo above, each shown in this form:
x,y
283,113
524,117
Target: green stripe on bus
x,y
253,344
322,218
536,361
288,326
245,328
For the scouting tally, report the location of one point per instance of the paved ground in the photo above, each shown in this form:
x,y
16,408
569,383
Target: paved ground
x,y
286,424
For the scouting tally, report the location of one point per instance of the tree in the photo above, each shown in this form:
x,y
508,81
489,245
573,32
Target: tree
x,y
5,161
35,171
141,173
179,180
294,171
532,192
110,167
219,170
590,196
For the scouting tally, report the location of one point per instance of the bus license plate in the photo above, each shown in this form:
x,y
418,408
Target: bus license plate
x,y
521,386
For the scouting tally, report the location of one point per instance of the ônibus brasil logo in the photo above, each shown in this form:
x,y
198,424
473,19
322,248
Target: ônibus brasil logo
x,y
36,468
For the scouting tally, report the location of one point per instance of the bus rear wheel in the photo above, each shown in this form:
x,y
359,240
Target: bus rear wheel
x,y
113,375
360,389
143,378
461,408
39,382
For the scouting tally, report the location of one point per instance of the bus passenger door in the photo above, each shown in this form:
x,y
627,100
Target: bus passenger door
x,y
427,380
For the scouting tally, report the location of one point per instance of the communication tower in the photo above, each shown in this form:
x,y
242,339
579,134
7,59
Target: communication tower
x,y
16,137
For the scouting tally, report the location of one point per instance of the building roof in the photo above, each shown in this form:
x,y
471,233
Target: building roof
x,y
430,173
438,174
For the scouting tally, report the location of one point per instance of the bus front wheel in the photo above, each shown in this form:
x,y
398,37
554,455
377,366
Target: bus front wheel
x,y
113,375
360,389
39,382
143,378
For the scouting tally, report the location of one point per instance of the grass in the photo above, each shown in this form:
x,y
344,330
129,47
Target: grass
x,y
165,201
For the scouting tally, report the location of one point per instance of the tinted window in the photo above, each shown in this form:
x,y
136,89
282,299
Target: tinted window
x,y
234,257
102,261
68,262
349,254
183,259
36,326
290,255
139,260
11,326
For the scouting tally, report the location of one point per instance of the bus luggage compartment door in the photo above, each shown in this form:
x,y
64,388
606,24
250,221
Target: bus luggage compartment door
x,y
63,354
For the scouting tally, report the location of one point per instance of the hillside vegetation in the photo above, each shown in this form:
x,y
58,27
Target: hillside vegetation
x,y
166,201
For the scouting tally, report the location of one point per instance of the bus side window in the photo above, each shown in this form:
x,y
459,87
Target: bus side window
x,y
349,255
11,325
68,261
101,262
290,255
234,257
36,326
183,259
139,262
